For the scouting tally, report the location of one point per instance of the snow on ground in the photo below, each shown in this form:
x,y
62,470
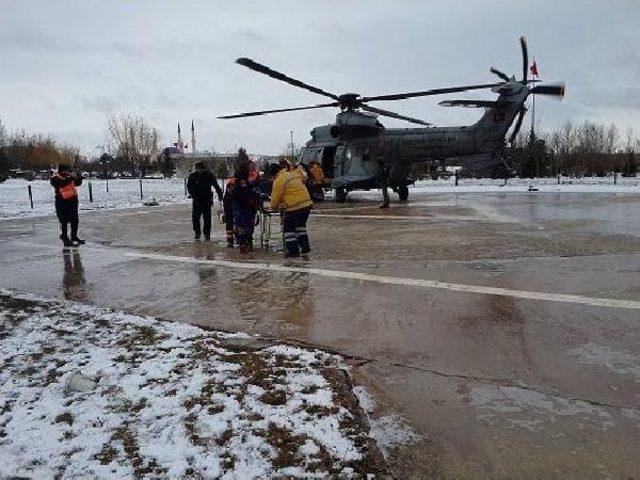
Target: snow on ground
x,y
518,185
14,196
567,185
92,393
389,431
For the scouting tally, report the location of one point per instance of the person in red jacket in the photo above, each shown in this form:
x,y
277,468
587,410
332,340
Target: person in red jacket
x,y
64,184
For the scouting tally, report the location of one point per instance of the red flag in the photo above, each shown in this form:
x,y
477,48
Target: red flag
x,y
534,69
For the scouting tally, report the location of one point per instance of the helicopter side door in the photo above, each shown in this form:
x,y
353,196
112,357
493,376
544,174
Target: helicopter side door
x,y
328,161
340,163
325,156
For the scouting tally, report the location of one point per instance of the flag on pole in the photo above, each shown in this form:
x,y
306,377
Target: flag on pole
x,y
534,69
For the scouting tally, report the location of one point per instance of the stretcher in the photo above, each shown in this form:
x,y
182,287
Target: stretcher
x,y
265,216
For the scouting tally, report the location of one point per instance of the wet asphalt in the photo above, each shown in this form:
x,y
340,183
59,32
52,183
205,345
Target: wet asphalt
x,y
500,386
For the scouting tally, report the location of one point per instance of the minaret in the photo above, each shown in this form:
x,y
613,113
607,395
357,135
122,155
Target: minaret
x,y
180,144
193,138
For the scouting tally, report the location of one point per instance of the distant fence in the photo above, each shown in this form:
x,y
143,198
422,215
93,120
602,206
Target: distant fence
x,y
23,198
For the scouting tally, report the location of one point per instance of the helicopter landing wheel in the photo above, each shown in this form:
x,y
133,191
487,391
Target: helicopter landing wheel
x,y
403,193
341,195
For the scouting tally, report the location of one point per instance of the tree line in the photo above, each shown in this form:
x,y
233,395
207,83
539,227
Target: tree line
x,y
131,146
576,150
32,151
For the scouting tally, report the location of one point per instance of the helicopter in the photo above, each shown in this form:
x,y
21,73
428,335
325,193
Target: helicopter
x,y
357,150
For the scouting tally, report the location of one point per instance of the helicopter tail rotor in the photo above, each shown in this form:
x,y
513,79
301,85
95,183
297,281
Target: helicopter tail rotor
x,y
525,60
554,90
500,74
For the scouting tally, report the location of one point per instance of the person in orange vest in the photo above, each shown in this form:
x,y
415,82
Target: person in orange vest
x,y
317,181
289,190
254,173
66,201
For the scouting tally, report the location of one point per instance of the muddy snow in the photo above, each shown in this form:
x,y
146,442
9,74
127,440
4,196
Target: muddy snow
x,y
93,393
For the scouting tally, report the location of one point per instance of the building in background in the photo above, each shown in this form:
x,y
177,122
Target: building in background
x,y
221,164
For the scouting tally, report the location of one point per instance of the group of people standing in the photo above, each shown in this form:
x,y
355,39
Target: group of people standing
x,y
290,188
244,194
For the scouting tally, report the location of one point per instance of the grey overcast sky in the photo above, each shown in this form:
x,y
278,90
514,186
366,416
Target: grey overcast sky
x,y
67,65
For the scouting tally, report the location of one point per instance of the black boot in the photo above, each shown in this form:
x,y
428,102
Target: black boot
x,y
65,241
78,240
230,243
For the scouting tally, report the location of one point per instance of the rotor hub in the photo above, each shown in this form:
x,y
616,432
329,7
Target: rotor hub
x,y
349,101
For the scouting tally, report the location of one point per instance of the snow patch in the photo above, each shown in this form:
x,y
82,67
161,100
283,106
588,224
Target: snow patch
x,y
494,401
389,431
618,362
91,393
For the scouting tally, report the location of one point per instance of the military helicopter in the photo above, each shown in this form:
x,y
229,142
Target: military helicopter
x,y
356,150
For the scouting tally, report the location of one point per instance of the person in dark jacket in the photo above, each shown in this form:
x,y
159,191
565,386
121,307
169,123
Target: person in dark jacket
x,y
228,212
244,201
383,172
64,184
199,188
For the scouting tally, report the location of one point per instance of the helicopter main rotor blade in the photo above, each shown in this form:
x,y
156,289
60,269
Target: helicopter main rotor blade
x,y
247,62
387,113
264,112
425,93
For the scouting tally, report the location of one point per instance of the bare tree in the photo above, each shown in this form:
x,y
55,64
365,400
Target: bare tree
x,y
4,163
628,140
3,135
134,140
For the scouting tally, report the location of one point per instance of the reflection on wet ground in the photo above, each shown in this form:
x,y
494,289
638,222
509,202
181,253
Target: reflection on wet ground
x,y
503,387
73,283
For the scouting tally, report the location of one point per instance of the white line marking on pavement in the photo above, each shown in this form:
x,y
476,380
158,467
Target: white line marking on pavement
x,y
410,282
396,217
373,217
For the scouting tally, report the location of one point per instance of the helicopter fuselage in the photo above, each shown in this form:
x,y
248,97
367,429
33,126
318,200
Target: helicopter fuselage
x,y
353,150
357,151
